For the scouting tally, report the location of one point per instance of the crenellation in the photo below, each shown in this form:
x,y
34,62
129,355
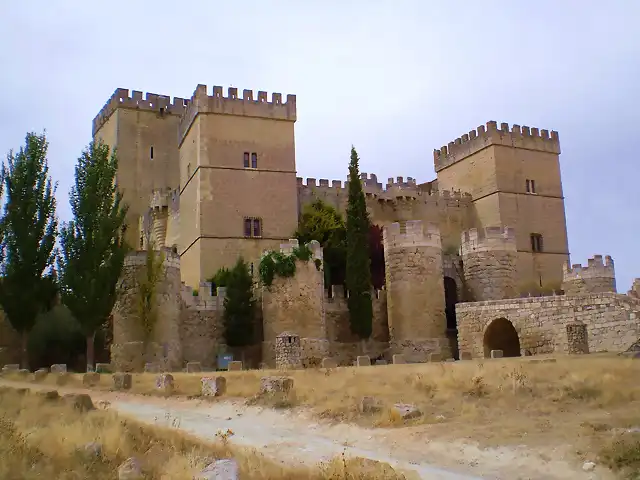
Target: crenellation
x,y
476,140
413,233
598,276
488,239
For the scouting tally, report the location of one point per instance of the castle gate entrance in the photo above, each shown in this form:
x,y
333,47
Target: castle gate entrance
x,y
450,300
501,335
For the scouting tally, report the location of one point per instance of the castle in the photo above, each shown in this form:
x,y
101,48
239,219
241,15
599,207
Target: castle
x,y
213,177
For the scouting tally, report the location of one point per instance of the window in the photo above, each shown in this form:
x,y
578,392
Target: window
x,y
536,242
531,186
253,227
151,153
246,159
254,160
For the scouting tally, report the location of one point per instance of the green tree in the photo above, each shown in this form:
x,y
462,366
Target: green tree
x,y
358,273
320,221
29,228
92,244
147,280
239,306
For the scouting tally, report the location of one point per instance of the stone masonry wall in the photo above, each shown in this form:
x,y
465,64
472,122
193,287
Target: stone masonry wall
x,y
597,277
415,290
612,322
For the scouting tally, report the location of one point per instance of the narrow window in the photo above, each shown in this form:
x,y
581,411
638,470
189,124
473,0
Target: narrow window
x,y
533,186
141,242
246,159
247,227
151,153
254,160
536,242
188,170
528,186
257,227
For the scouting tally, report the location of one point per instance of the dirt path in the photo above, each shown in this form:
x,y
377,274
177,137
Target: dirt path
x,y
296,437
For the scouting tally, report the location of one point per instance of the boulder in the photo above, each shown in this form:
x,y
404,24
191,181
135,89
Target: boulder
x,y
226,469
406,411
122,381
59,368
213,386
276,384
90,379
79,401
40,374
62,378
130,469
369,405
165,384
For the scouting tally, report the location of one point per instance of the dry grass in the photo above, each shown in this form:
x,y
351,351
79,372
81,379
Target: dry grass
x,y
492,402
46,439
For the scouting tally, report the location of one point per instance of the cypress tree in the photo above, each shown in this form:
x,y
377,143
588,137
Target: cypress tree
x,y
239,306
29,228
358,273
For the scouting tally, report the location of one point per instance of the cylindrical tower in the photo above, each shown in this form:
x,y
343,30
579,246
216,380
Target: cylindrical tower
x,y
489,258
415,290
160,215
162,344
597,277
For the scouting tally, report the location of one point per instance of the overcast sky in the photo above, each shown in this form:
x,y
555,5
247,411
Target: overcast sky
x,y
395,78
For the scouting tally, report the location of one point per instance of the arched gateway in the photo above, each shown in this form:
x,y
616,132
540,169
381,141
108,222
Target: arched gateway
x,y
501,335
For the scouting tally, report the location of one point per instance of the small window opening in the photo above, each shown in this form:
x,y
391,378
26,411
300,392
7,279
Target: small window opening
x,y
247,227
254,160
151,153
246,159
531,186
536,242
257,227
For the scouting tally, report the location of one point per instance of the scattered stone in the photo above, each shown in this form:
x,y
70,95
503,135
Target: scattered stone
x,y
369,405
92,450
152,368
62,378
48,394
449,360
226,469
548,360
79,401
328,362
59,368
103,404
213,386
234,366
406,411
435,357
496,353
398,359
122,381
588,466
23,373
276,384
130,469
103,368
465,356
90,379
21,391
381,362
11,367
165,384
363,361
40,374
194,367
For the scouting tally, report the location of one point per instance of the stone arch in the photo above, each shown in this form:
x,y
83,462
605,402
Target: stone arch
x,y
500,334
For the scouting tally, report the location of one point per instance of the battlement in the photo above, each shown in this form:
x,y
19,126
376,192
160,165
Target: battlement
x,y
517,137
596,268
160,198
338,293
413,233
233,104
151,102
488,239
204,300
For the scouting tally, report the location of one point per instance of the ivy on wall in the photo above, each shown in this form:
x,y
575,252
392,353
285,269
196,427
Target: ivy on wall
x,y
279,264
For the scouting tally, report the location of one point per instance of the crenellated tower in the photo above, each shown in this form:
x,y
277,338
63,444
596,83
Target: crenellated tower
x,y
489,258
599,276
513,176
415,290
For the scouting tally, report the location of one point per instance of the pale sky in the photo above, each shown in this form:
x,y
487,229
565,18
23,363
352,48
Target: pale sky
x,y
396,79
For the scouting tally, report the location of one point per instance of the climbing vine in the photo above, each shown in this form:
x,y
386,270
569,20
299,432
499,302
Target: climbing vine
x,y
147,283
279,264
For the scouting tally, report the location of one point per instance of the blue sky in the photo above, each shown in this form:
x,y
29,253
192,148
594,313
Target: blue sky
x,y
396,79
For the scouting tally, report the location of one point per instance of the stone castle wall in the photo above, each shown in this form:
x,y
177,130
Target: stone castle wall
x,y
612,322
597,277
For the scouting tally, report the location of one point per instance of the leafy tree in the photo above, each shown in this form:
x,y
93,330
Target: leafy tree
x,y
220,279
29,228
93,246
146,307
358,273
320,221
239,306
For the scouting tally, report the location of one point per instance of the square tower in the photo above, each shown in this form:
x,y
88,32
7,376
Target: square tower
x,y
237,178
513,175
143,129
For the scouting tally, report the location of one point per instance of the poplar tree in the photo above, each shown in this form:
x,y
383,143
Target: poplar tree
x,y
29,228
92,243
358,273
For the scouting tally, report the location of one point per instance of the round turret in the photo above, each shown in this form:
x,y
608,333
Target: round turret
x,y
415,290
489,257
597,277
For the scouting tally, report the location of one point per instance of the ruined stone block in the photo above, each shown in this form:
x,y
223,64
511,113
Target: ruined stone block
x,y
496,353
328,362
398,359
213,386
152,367
276,384
23,373
165,383
381,362
103,368
363,361
435,357
40,374
226,469
62,378
369,405
122,381
406,411
130,469
194,367
79,401
48,394
577,339
90,379
11,367
465,356
234,366
59,368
